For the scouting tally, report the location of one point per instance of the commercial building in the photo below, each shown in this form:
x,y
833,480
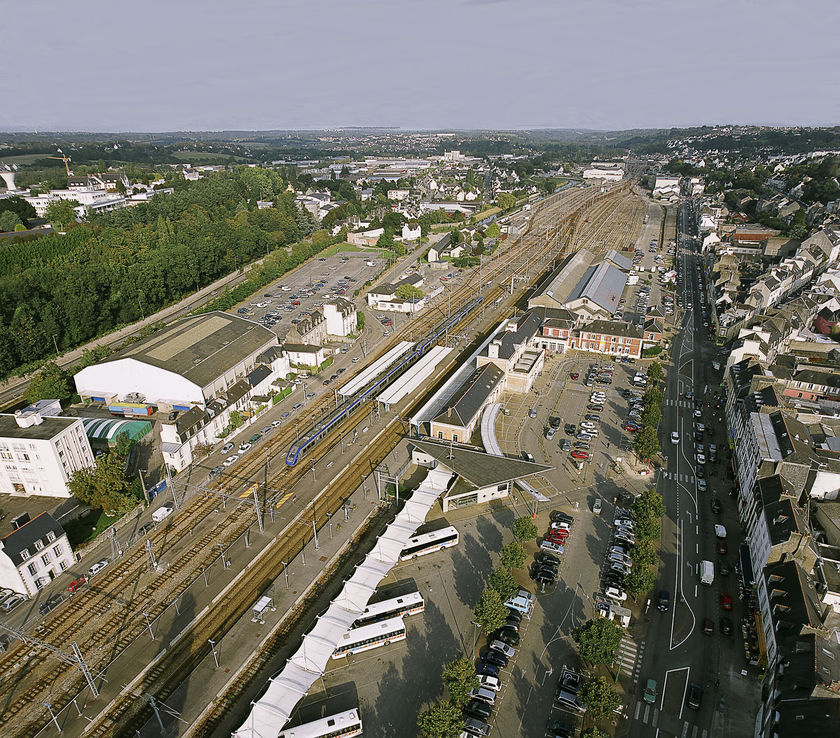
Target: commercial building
x,y
458,419
607,171
33,554
477,476
39,454
514,352
195,373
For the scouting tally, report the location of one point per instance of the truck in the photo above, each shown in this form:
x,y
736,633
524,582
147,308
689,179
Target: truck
x,y
707,573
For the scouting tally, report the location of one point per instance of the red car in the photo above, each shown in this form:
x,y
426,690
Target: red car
x,y
580,454
76,584
295,302
722,548
632,428
574,375
557,536
725,601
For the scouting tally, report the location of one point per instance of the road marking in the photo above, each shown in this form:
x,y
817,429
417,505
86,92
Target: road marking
x,y
647,712
697,529
685,727
638,707
695,731
655,719
697,548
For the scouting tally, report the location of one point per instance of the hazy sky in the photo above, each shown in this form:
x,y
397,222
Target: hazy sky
x,y
163,65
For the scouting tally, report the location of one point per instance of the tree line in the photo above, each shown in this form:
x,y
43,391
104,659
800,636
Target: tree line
x,y
64,290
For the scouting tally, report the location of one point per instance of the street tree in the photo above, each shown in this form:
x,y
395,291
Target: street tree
x,y
493,230
524,529
655,372
600,698
646,443
51,382
644,553
597,640
460,679
503,582
441,720
593,732
513,555
490,612
640,581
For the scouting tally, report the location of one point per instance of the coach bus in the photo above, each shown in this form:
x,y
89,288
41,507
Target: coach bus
x,y
340,725
427,543
370,636
396,607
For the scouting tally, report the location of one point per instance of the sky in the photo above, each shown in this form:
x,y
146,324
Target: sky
x,y
176,65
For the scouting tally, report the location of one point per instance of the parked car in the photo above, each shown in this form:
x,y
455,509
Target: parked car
x,y
76,584
97,567
227,448
649,695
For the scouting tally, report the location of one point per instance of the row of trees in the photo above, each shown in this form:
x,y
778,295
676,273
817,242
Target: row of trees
x,y
66,289
597,641
646,442
648,510
444,719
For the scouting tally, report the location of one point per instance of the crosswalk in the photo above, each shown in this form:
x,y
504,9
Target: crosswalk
x,y
648,714
628,657
678,477
679,403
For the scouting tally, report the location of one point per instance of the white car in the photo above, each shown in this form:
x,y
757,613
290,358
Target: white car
x,y
97,567
243,447
698,413
230,460
587,425
614,593
275,423
701,459
596,506
355,360
552,547
675,437
561,526
489,682
502,647
227,448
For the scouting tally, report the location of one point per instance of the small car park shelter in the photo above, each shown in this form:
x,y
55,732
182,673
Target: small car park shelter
x,y
106,430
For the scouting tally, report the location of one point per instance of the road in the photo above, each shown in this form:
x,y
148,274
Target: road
x,y
691,657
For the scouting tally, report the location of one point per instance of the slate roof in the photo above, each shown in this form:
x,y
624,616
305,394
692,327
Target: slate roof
x,y
601,284
477,467
528,326
613,328
25,536
470,397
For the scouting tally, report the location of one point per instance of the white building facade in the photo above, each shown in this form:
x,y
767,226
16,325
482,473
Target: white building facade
x,y
33,554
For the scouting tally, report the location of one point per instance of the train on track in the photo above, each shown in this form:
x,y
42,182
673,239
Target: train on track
x,y
350,404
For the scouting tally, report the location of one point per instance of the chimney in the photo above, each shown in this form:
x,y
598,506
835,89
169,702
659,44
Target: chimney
x,y
28,418
20,521
493,349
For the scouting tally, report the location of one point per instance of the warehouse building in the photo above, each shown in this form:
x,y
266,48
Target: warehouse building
x,y
193,374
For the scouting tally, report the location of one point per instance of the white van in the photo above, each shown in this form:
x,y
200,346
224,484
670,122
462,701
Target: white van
x,y
162,512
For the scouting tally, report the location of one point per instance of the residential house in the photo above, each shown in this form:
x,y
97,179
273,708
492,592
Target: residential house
x,y
33,554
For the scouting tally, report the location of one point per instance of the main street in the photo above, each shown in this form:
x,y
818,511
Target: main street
x,y
680,653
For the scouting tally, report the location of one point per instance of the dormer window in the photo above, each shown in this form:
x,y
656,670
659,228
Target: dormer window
x,y
39,544
24,554
50,537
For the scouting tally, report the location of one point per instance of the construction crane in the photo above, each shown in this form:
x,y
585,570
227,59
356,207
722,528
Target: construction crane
x,y
65,159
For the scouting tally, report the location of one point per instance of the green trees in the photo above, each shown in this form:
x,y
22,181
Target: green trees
x,y
441,720
640,581
599,697
503,582
121,265
524,529
648,510
655,372
493,230
104,485
490,612
9,220
408,292
597,640
459,679
51,382
646,443
61,214
513,555
19,206
505,200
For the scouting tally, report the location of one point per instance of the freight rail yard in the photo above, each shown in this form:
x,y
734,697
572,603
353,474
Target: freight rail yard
x,y
268,506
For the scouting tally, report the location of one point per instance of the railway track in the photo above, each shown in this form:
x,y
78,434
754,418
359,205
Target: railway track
x,y
119,596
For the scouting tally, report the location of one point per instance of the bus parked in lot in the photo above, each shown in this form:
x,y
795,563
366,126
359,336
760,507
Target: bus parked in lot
x,y
370,636
396,607
339,725
427,543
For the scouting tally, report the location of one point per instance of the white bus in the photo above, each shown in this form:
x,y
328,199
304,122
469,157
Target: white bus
x,y
396,607
430,542
370,636
340,725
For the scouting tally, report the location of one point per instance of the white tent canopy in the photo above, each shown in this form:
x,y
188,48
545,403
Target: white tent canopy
x,y
271,712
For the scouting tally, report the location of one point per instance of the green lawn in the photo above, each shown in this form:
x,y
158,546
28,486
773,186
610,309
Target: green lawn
x,y
89,526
